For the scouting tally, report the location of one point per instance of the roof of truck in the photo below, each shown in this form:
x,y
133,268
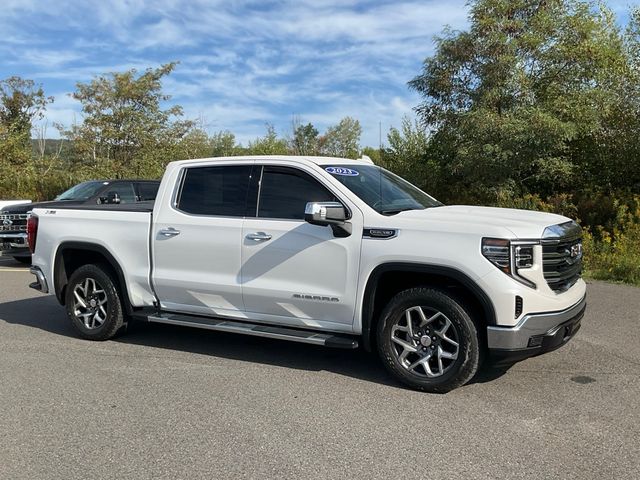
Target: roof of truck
x,y
294,158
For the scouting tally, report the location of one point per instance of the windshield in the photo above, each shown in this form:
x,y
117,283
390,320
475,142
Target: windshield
x,y
82,191
382,190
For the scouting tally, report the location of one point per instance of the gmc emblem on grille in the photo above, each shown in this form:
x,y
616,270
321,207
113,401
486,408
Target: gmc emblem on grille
x,y
576,250
574,253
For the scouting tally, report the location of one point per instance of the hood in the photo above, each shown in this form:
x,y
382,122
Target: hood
x,y
27,207
523,224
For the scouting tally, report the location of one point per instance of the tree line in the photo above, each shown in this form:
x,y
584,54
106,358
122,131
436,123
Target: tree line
x,y
535,105
126,132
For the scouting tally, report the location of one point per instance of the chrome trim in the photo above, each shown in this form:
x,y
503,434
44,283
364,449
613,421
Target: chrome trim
x,y
245,328
366,233
13,235
513,245
259,189
533,324
41,282
563,231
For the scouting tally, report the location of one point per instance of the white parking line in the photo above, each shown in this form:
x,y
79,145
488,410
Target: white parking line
x,y
4,269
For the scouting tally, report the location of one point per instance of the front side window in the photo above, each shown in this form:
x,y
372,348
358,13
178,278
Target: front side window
x,y
284,193
220,190
383,191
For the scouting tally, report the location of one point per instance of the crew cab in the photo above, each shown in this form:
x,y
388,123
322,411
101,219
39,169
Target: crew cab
x,y
325,251
13,217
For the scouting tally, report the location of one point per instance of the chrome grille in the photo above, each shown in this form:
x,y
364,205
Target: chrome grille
x,y
13,222
562,255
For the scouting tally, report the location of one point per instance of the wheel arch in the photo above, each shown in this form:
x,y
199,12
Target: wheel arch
x,y
72,255
390,278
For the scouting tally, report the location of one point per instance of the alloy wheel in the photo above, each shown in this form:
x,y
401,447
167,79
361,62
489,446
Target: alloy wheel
x,y
90,303
425,341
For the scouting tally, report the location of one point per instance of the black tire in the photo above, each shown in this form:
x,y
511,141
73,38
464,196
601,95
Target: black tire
x,y
454,372
113,317
25,260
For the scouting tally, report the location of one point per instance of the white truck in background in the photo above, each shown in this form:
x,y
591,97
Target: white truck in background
x,y
325,251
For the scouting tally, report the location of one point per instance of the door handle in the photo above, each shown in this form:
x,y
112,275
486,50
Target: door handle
x,y
258,236
169,232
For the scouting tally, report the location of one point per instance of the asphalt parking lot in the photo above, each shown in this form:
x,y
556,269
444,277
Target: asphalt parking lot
x,y
170,402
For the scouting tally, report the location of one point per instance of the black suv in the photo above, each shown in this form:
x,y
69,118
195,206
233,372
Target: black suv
x,y
13,219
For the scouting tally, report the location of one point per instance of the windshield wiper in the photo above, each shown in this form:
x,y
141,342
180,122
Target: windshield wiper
x,y
398,210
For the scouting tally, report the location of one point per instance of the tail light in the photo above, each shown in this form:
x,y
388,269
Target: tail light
x,y
32,232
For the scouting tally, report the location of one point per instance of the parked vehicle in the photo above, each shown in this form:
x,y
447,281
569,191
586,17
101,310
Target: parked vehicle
x,y
325,251
8,203
13,218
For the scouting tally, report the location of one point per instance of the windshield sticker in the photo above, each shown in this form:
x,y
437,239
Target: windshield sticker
x,y
345,172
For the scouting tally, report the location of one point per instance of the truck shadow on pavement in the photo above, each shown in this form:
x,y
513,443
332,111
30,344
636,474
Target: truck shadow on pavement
x,y
46,314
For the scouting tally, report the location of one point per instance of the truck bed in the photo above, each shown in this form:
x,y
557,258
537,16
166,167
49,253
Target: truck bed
x,y
120,230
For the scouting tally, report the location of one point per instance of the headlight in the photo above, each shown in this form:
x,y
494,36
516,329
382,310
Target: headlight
x,y
510,257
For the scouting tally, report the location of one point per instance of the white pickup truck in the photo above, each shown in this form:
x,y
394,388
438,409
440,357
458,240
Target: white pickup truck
x,y
326,251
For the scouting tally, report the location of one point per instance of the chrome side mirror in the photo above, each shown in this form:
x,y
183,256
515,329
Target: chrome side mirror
x,y
328,214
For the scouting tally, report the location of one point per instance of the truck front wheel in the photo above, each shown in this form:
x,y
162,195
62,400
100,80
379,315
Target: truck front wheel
x,y
427,339
93,303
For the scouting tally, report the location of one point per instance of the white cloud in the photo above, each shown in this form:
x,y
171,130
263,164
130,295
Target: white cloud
x,y
243,63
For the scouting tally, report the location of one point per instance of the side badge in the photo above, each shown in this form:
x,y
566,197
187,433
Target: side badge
x,y
381,233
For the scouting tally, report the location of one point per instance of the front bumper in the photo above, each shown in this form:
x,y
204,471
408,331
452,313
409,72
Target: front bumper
x,y
535,334
14,245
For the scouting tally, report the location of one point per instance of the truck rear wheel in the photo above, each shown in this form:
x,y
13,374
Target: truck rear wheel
x,y
93,303
427,339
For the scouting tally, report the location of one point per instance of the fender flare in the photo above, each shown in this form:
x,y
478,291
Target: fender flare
x,y
60,277
460,277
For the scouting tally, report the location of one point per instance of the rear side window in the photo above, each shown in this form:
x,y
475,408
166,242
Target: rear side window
x,y
215,190
284,193
147,191
124,190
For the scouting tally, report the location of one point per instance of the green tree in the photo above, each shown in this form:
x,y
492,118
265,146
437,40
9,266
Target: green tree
x,y
22,103
223,144
375,154
523,100
408,155
194,144
343,139
125,131
270,144
305,140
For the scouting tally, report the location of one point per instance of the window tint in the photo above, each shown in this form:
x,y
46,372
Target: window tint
x,y
124,190
147,191
82,191
284,193
215,190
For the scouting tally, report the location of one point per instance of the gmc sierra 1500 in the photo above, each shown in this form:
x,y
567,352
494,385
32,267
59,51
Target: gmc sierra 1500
x,y
325,251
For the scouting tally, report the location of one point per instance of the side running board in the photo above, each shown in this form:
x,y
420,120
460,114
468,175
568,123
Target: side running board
x,y
268,331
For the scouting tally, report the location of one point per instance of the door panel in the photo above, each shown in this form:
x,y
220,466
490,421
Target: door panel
x,y
302,274
197,244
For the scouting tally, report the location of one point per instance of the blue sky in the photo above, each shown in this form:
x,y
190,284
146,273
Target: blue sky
x,y
242,63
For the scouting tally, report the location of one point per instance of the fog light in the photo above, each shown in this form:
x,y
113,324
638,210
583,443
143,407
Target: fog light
x,y
535,341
